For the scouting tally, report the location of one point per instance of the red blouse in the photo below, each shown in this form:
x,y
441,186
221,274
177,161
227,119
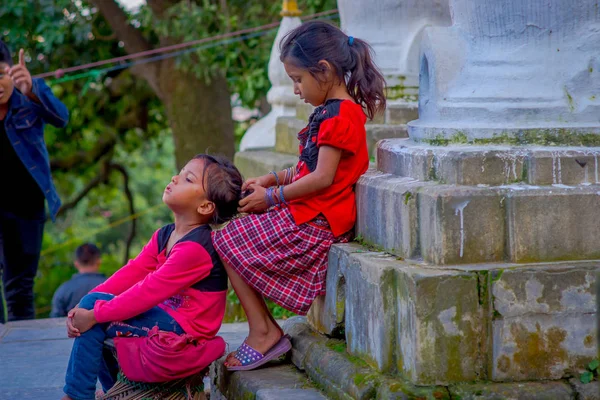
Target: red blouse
x,y
339,124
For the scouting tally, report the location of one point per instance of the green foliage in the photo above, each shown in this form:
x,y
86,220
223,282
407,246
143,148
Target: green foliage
x,y
592,371
243,63
118,108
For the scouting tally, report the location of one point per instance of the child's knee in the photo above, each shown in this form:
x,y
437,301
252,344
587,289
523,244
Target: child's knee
x,y
89,299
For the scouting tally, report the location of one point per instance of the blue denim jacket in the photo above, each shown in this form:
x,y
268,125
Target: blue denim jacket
x,y
24,125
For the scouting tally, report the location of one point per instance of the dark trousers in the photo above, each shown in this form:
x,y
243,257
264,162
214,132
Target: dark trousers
x,y
20,246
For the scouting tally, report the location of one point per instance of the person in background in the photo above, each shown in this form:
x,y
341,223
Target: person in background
x,y
26,105
67,296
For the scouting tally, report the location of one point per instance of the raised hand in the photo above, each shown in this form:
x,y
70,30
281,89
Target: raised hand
x,y
20,75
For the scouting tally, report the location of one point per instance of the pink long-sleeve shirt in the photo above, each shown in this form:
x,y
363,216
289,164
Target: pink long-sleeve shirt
x,y
189,283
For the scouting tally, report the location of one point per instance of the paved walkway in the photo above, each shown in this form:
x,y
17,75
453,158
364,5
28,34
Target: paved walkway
x,y
34,356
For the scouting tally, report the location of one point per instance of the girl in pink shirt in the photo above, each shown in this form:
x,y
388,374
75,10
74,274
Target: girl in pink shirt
x,y
177,283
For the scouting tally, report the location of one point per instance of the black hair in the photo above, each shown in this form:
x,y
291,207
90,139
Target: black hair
x,y
87,254
352,60
223,186
5,56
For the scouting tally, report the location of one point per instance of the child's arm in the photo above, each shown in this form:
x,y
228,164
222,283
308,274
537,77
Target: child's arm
x,y
187,264
321,178
132,272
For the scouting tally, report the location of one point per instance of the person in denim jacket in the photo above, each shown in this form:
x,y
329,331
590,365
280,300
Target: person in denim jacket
x,y
26,105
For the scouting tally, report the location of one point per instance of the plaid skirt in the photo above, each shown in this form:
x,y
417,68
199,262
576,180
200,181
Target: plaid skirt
x,y
285,262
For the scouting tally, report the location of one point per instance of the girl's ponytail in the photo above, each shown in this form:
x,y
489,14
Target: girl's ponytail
x,y
365,82
350,57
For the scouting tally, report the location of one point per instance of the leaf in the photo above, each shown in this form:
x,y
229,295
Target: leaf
x,y
586,377
593,365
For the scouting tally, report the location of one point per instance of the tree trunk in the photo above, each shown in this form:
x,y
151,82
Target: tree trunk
x,y
199,113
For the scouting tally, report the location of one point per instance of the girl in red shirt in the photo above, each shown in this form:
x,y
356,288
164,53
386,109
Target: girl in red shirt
x,y
280,250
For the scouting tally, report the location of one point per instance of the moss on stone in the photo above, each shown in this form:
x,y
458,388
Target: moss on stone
x,y
544,137
361,379
538,351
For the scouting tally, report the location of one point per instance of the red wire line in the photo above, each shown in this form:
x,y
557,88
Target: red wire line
x,y
61,71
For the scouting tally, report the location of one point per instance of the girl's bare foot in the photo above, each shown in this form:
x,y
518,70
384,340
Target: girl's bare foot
x,y
65,397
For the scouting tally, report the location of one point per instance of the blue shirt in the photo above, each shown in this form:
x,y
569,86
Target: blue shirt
x,y
68,295
24,125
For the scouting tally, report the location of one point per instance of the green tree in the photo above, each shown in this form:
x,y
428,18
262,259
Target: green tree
x,y
116,155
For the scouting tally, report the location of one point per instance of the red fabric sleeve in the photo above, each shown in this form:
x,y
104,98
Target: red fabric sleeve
x,y
187,264
132,272
338,132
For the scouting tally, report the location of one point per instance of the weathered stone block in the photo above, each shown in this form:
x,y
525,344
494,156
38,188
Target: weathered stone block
x,y
260,162
460,224
403,158
586,391
286,135
520,391
425,323
330,366
326,314
399,112
303,111
371,308
376,133
387,212
303,338
553,224
563,165
397,389
441,326
544,321
296,394
477,165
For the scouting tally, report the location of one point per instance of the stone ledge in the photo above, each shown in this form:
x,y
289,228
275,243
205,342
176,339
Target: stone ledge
x,y
490,164
260,384
551,390
460,322
450,224
254,163
344,376
347,377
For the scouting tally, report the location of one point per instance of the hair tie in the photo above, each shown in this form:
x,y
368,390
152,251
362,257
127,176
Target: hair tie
x,y
350,40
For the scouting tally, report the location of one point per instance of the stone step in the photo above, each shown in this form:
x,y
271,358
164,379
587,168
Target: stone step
x,y
490,165
274,382
449,224
286,134
254,163
344,376
441,326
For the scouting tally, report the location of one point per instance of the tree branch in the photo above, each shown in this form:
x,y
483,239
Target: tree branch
x,y
132,38
98,179
120,168
103,146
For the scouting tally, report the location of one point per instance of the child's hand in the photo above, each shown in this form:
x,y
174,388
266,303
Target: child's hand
x,y
83,319
20,75
254,202
262,181
72,332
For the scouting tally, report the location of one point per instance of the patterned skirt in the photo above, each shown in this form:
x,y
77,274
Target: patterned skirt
x,y
285,262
